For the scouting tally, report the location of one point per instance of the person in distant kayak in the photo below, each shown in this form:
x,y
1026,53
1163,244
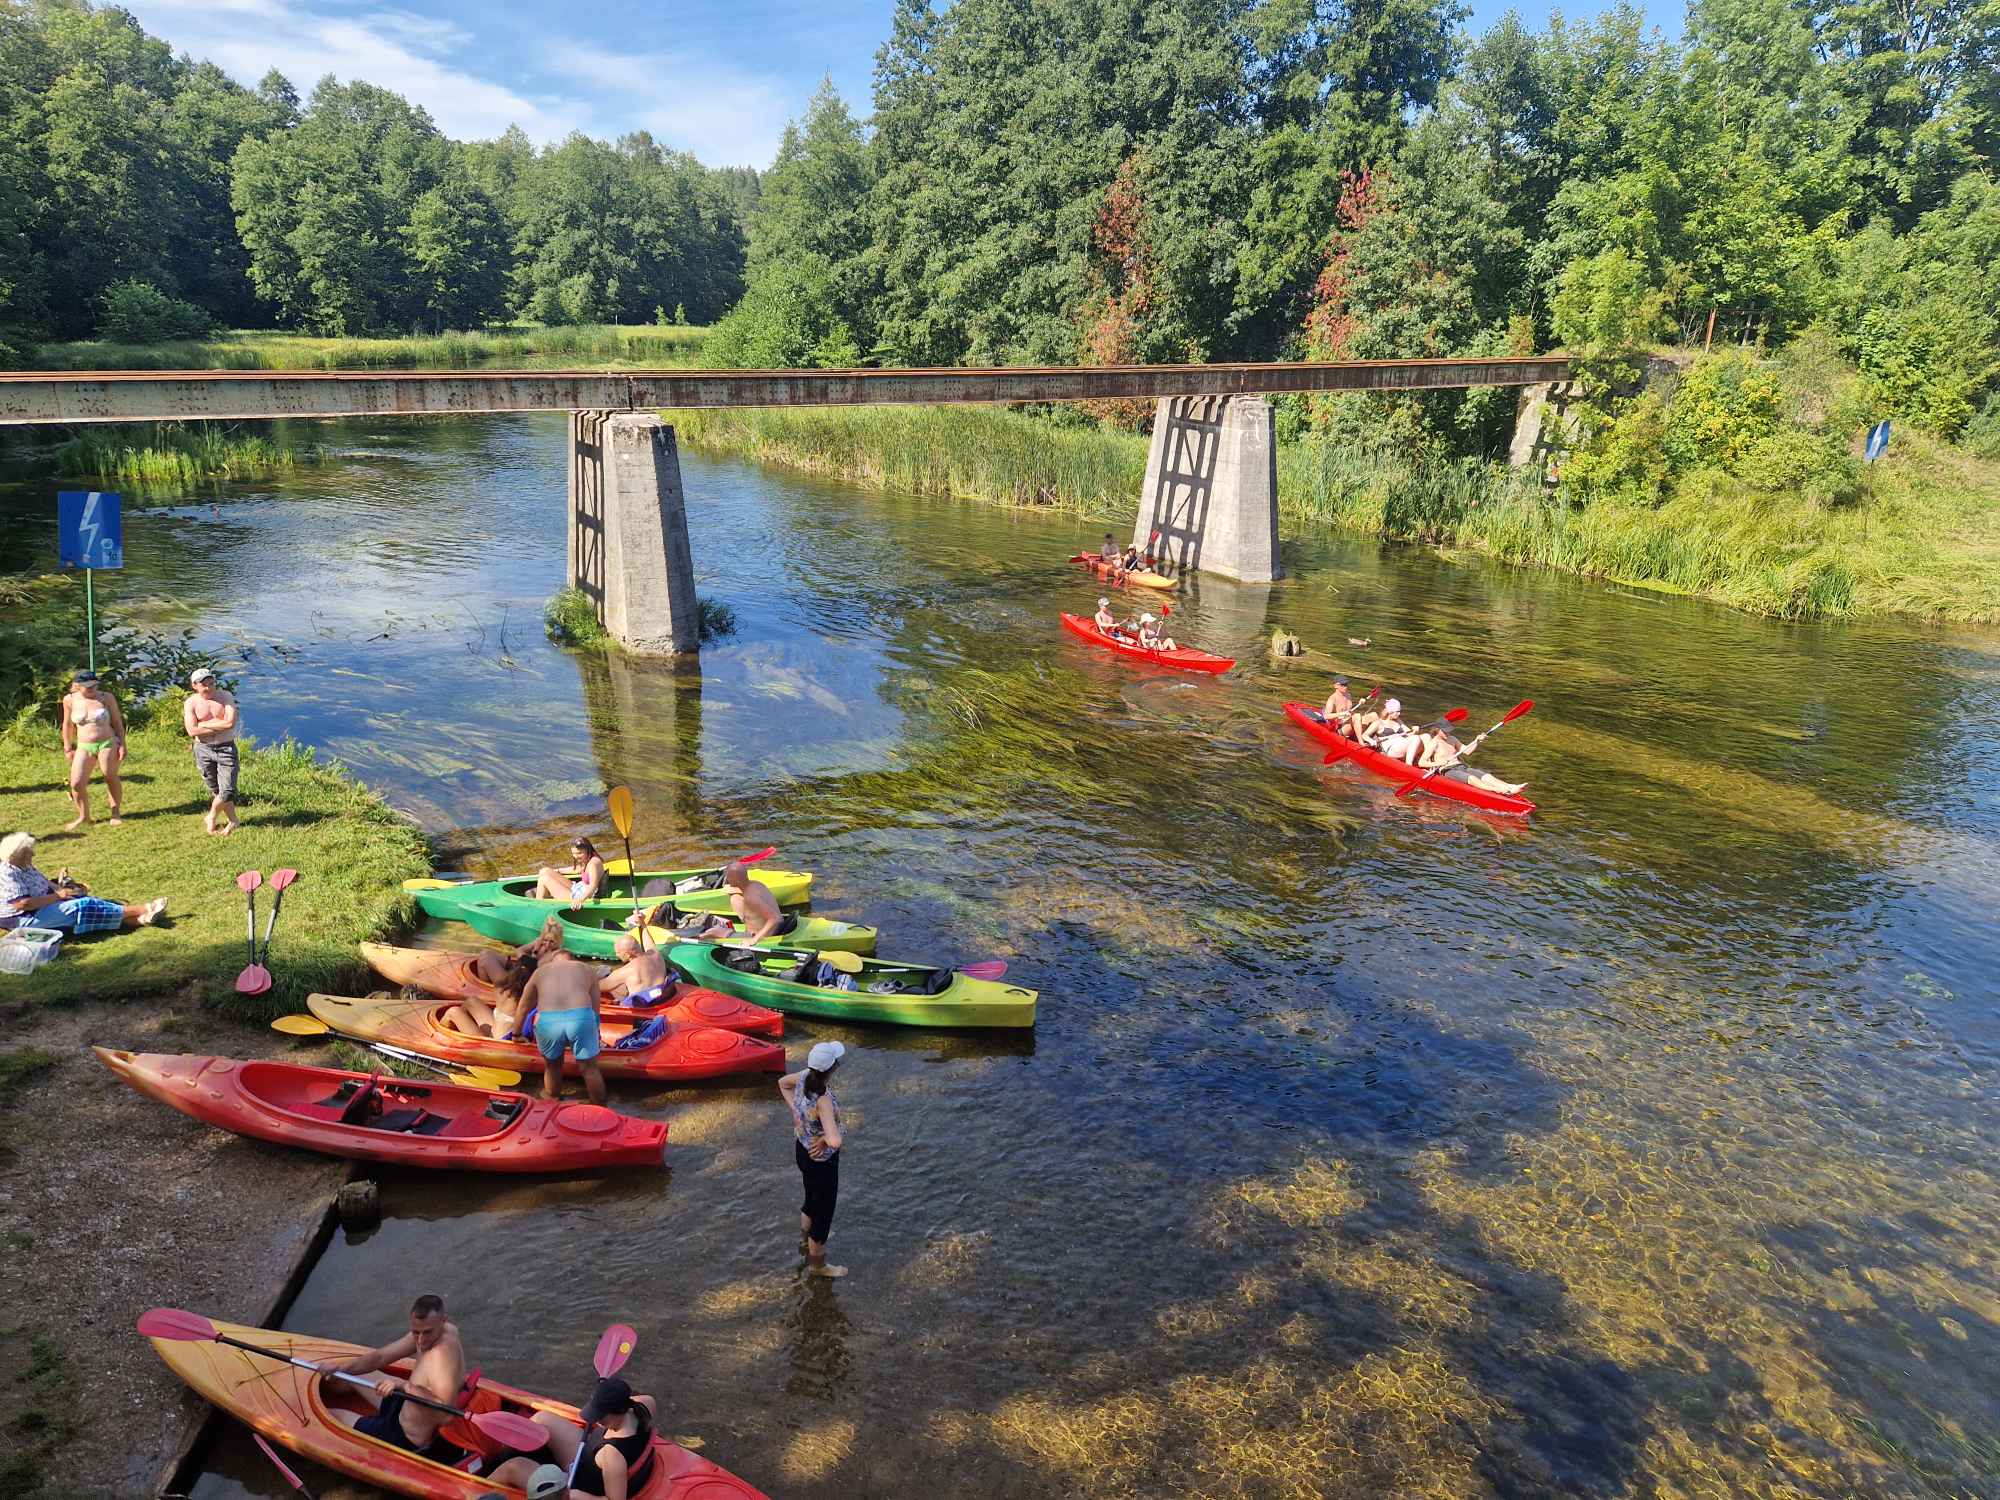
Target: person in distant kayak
x,y
816,1143
211,720
1150,636
616,1439
563,998
1443,749
1339,710
1109,551
583,885
437,1371
1106,621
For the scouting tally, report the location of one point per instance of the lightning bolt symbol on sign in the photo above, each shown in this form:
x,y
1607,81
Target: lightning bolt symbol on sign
x,y
87,528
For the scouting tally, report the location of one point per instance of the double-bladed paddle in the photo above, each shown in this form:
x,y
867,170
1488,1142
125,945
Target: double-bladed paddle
x,y
612,1352
1512,714
176,1326
471,1075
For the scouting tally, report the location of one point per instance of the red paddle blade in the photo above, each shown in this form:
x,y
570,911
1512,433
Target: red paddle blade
x,y
253,981
173,1323
751,859
283,1468
1518,709
992,968
613,1350
282,878
513,1430
1457,715
249,880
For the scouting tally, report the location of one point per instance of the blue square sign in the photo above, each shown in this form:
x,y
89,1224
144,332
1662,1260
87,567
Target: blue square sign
x,y
90,530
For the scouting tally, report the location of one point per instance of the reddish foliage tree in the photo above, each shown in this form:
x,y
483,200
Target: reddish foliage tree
x,y
1120,266
1330,323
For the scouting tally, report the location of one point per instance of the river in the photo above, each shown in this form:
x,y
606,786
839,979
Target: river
x,y
1365,1146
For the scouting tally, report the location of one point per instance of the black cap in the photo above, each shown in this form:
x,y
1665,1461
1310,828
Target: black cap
x,y
1340,682
612,1398
85,676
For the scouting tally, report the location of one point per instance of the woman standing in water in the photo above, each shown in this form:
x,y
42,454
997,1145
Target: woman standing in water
x,y
816,1142
92,730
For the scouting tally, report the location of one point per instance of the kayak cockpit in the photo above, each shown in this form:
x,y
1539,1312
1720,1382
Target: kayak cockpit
x,y
390,1106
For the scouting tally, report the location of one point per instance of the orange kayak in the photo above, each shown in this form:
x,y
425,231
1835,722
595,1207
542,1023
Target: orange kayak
x,y
1145,578
450,975
675,1054
296,1408
373,1118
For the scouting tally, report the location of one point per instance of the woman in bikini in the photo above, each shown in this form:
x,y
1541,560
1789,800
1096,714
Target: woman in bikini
x,y
92,731
584,885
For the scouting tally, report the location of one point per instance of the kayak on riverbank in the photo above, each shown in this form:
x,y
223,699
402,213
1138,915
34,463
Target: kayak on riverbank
x,y
442,898
448,974
908,994
1308,719
295,1407
1181,658
386,1119
593,932
673,1054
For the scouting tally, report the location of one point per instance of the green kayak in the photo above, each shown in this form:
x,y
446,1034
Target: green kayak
x,y
591,932
443,898
899,994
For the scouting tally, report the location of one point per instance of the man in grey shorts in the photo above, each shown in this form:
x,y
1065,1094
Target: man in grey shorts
x,y
210,718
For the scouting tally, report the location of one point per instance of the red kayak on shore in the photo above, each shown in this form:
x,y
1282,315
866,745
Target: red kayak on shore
x,y
1308,719
1180,658
372,1117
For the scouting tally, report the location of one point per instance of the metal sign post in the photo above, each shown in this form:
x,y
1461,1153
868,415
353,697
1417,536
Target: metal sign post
x,y
90,534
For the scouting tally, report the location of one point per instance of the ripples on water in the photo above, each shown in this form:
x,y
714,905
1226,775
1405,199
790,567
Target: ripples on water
x,y
1365,1146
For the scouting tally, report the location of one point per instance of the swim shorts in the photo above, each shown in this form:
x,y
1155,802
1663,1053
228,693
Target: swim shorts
x,y
387,1424
575,1029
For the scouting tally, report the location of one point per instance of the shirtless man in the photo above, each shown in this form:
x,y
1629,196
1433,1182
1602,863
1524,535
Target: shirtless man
x,y
439,1369
756,910
1339,710
563,993
639,968
1444,753
1104,620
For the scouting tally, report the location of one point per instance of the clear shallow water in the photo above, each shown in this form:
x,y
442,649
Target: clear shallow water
x,y
1365,1146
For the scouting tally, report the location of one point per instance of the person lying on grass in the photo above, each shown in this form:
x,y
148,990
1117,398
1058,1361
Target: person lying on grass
x,y
30,898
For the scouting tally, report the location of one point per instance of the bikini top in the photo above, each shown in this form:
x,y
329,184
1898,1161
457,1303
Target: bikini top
x,y
80,716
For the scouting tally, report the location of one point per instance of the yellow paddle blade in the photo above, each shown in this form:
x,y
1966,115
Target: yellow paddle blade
x,y
301,1026
619,866
619,801
847,963
659,937
489,1078
426,884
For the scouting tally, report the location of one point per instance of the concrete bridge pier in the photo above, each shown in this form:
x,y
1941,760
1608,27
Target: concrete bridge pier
x,y
1211,487
628,536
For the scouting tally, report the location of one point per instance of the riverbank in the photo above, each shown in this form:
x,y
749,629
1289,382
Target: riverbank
x,y
1922,540
263,349
124,1204
353,852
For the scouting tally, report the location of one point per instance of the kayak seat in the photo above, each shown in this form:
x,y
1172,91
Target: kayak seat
x,y
362,1104
504,1110
418,1121
341,1095
787,925
643,1037
937,981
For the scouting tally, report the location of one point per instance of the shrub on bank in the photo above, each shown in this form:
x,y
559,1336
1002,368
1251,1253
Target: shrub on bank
x,y
137,312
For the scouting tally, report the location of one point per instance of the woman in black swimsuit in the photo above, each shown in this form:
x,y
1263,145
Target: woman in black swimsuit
x,y
617,1440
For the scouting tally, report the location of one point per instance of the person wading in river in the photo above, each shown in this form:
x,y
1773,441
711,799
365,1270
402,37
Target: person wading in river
x,y
210,718
439,1368
563,994
816,1143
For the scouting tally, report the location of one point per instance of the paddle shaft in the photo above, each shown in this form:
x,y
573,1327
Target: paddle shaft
x,y
270,922
283,1467
362,1381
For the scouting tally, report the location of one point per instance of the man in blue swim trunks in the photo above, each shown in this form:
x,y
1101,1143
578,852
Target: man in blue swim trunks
x,y
563,995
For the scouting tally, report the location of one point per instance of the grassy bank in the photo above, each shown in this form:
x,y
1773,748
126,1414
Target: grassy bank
x,y
1923,539
642,344
351,850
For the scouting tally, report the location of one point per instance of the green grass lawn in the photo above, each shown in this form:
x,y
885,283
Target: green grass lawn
x,y
351,851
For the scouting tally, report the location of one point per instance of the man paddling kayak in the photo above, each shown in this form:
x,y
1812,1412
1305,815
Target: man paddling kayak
x,y
1106,621
1339,710
1443,749
439,1368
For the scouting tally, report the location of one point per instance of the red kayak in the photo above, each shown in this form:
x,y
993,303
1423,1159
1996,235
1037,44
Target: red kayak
x,y
1181,657
1308,719
369,1117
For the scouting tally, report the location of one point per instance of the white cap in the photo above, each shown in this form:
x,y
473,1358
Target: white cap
x,y
1103,603
823,1056
1145,619
1393,706
547,1481
200,674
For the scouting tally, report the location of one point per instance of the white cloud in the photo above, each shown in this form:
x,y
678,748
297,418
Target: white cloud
x,y
689,101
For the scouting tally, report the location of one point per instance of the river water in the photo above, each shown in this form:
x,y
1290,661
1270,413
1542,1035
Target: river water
x,y
1365,1146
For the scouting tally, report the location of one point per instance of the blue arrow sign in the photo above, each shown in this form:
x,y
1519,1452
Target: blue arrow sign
x,y
90,529
1878,441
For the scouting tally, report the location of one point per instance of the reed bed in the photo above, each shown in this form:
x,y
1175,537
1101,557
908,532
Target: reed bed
x,y
175,455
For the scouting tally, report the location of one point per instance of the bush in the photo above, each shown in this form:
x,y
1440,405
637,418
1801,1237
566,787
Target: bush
x,y
788,320
42,643
571,620
1722,407
1928,363
1623,458
137,312
1982,433
1813,467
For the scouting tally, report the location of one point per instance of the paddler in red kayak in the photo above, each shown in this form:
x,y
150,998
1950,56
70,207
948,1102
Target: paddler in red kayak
x,y
640,968
1107,622
617,1441
1443,749
1339,710
438,1370
1150,637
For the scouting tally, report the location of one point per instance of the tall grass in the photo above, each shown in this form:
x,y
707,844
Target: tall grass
x,y
602,343
1923,540
174,455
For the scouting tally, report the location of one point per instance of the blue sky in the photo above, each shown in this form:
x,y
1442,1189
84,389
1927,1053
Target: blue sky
x,y
716,77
